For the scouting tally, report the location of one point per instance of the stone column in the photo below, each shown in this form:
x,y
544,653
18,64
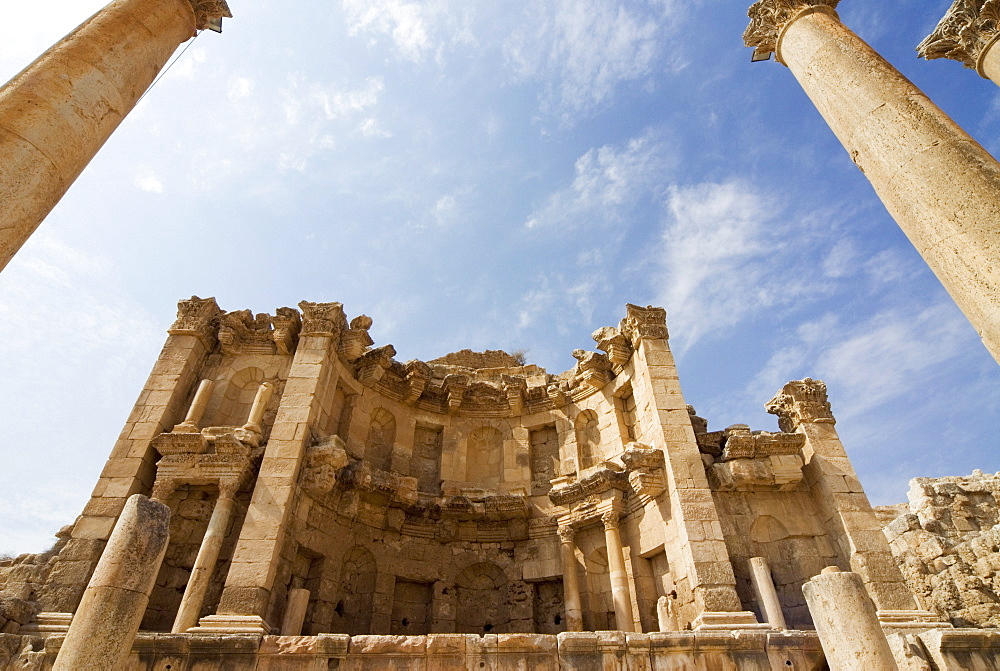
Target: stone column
x,y
846,621
105,625
571,581
295,612
967,33
620,591
208,556
131,467
197,409
802,407
767,597
58,112
260,401
940,185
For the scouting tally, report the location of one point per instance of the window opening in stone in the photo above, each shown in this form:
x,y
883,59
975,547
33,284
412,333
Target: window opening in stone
x,y
626,409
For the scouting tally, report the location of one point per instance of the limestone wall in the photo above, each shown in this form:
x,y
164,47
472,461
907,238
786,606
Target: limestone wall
x,y
947,543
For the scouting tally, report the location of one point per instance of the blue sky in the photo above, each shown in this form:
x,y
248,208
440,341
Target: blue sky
x,y
494,175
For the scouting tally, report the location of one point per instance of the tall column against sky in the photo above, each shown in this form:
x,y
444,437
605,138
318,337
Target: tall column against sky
x,y
968,33
60,110
940,185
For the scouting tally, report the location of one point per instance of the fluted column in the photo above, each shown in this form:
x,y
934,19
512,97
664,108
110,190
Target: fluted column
x,y
619,578
940,185
208,556
968,33
571,581
58,112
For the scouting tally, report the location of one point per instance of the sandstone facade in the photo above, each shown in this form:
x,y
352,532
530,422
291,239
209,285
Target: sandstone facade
x,y
473,507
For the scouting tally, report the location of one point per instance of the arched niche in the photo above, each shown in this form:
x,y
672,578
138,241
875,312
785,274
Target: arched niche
x,y
381,438
238,393
353,611
588,439
482,603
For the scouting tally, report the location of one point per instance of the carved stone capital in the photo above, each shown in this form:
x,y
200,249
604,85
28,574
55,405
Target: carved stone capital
x,y
322,319
965,32
208,14
769,17
566,534
198,317
229,487
610,519
163,488
801,402
642,323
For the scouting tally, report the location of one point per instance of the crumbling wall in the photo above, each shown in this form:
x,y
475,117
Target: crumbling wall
x,y
948,546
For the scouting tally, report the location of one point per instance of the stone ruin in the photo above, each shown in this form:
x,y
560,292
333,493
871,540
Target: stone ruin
x,y
331,505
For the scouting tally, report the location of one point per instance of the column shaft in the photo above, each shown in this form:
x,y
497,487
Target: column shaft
x,y
57,113
619,578
295,612
260,401
940,185
105,624
198,405
767,597
204,565
847,624
571,584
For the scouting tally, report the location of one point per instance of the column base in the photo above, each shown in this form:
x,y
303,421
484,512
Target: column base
x,y
231,624
912,619
720,620
46,624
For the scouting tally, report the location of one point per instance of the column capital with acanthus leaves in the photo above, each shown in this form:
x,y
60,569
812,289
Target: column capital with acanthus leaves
x,y
769,17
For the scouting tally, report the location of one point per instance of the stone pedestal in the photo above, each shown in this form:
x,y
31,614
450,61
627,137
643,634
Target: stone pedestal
x,y
108,618
939,184
847,623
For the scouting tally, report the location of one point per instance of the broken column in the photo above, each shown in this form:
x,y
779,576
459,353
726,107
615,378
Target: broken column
x,y
571,581
968,33
295,612
197,409
847,623
60,110
940,185
619,578
108,618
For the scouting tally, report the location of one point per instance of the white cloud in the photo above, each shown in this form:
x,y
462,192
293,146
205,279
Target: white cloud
x,y
147,180
606,182
416,29
870,361
584,49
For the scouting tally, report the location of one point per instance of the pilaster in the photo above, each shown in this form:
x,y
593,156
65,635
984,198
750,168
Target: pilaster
x,y
131,468
803,407
696,549
247,594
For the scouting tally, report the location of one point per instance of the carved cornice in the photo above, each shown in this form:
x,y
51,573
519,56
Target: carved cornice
x,y
612,342
769,17
966,30
198,317
208,14
593,369
801,402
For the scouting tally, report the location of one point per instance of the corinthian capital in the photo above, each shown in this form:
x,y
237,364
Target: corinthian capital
x,y
964,33
801,402
209,14
769,17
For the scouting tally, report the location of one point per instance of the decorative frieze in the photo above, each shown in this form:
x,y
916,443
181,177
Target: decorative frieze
x,y
964,34
769,17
